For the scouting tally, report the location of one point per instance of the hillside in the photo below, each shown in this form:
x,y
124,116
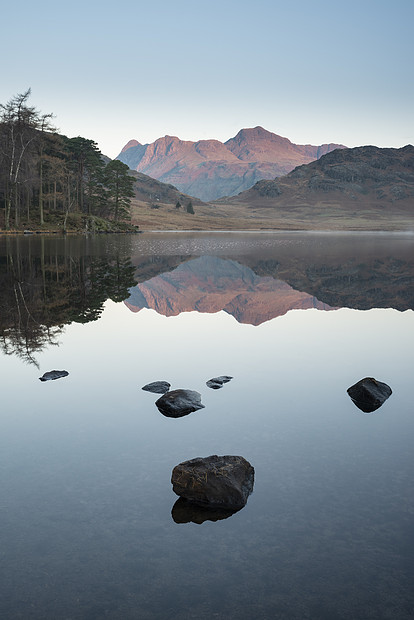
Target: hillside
x,y
351,186
210,169
150,191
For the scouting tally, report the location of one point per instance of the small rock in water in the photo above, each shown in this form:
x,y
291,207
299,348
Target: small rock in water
x,y
217,382
369,394
157,387
179,403
54,374
221,481
185,511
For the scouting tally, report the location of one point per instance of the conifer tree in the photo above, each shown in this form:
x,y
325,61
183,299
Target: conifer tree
x,y
119,188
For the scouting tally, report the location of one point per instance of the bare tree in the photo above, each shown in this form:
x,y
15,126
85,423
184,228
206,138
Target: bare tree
x,y
21,137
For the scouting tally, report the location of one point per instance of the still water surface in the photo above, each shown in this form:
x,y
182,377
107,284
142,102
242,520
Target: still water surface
x,y
87,529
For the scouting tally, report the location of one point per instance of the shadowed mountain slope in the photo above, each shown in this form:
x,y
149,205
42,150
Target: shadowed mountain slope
x,y
358,177
149,191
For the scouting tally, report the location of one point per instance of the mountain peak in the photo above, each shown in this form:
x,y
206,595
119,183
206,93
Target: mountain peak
x,y
253,132
130,144
210,169
258,144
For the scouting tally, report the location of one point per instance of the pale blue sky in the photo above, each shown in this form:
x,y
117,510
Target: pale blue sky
x,y
315,72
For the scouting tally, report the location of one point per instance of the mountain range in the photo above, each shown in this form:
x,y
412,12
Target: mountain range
x,y
375,182
210,169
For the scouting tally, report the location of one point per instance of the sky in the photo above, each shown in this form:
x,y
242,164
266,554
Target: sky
x,y
313,71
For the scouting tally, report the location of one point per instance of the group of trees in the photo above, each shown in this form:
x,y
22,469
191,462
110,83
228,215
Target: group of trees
x,y
189,207
44,173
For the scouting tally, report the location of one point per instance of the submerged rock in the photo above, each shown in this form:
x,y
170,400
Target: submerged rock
x,y
54,374
369,394
219,481
178,403
217,382
185,511
157,387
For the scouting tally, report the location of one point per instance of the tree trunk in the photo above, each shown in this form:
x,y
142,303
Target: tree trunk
x,y
28,205
16,207
41,191
7,211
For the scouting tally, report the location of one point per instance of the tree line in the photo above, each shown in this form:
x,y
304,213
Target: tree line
x,y
45,175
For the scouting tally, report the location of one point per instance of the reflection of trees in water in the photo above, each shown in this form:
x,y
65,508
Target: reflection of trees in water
x,y
45,289
26,342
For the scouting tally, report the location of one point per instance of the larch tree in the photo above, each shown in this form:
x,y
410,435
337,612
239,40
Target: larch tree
x,y
19,125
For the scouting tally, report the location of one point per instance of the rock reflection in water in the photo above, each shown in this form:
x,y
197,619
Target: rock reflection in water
x,y
185,511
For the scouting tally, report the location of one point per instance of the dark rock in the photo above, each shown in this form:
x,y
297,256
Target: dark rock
x,y
224,378
217,382
398,192
369,394
179,403
185,511
54,374
220,481
157,387
270,189
214,384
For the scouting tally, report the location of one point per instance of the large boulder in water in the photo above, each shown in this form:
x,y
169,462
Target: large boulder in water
x,y
157,387
369,394
178,403
53,374
221,481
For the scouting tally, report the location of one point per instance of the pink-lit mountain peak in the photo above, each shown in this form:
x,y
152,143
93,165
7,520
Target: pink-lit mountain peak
x,y
210,169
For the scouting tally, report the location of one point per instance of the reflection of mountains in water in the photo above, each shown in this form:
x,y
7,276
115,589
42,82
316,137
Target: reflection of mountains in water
x,y
211,284
47,283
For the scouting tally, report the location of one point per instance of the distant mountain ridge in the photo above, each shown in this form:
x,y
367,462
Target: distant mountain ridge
x,y
210,169
360,178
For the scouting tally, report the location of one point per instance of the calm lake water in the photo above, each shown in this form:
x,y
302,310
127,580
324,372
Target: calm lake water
x,y
87,522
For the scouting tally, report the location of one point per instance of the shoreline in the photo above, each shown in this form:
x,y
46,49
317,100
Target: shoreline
x,y
319,231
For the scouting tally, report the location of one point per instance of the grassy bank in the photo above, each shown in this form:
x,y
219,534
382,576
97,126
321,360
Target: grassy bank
x,y
224,217
244,217
76,223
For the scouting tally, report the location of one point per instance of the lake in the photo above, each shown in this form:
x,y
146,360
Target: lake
x,y
90,525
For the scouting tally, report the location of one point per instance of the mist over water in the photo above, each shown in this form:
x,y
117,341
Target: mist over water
x,y
90,524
